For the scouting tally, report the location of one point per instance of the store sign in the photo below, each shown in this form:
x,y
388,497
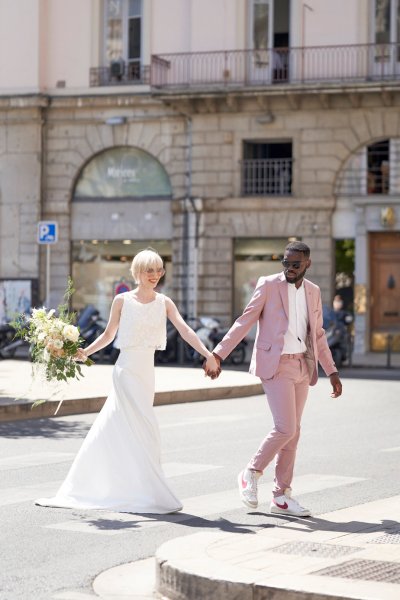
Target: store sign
x,y
125,174
121,173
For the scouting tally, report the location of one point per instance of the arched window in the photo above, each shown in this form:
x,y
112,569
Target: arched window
x,y
122,173
373,169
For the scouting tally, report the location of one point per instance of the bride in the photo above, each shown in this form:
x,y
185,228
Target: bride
x,y
118,466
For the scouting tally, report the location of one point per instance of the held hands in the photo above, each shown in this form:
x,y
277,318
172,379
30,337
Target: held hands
x,y
336,385
212,366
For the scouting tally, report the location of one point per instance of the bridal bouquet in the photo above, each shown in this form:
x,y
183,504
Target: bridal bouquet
x,y
54,339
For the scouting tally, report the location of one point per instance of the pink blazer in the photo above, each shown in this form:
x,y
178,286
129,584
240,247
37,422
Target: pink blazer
x,y
269,307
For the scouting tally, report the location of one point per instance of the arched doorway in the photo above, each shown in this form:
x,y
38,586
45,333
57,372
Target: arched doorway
x,y
121,204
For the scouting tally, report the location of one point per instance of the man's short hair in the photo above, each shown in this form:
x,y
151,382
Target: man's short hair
x,y
298,247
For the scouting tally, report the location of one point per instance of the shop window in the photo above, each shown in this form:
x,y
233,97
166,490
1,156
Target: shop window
x,y
100,270
254,257
267,168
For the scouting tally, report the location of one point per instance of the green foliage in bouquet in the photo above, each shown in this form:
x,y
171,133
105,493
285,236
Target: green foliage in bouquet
x,y
54,339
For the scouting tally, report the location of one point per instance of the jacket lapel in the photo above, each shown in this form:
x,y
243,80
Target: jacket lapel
x,y
284,294
309,300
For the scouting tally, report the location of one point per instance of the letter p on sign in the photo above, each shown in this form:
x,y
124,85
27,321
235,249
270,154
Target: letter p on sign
x,y
47,232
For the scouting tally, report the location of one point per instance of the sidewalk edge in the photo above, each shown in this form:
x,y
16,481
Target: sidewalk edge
x,y
16,412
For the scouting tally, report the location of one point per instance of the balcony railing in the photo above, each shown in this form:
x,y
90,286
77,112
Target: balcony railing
x,y
120,73
317,64
267,177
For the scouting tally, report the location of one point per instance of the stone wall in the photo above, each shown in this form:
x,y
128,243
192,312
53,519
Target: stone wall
x,y
20,186
44,146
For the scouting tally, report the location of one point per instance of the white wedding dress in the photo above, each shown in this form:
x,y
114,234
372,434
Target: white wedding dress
x,y
118,466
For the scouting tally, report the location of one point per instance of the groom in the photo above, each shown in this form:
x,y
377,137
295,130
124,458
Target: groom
x,y
290,342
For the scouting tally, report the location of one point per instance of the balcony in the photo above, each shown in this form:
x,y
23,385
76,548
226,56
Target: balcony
x,y
120,73
364,63
267,177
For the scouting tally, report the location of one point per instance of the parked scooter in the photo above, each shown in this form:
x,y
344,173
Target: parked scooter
x,y
336,325
91,325
177,350
9,345
209,330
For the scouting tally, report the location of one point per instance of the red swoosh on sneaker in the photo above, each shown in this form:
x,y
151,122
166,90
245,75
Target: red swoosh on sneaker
x,y
244,483
282,506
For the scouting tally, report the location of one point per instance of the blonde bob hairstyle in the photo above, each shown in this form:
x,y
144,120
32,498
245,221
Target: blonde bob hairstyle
x,y
145,259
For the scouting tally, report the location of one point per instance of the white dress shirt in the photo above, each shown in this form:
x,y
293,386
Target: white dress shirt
x,y
295,337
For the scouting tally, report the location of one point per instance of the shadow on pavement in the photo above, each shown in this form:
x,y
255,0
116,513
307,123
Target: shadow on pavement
x,y
184,519
46,428
312,524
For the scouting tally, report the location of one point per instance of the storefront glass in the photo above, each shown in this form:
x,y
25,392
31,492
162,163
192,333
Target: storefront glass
x,y
254,257
100,270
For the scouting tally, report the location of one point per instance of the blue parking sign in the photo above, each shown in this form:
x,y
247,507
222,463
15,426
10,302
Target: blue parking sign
x,y
47,232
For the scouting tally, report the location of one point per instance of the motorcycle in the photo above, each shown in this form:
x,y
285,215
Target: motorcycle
x,y
9,345
209,330
177,350
336,325
91,326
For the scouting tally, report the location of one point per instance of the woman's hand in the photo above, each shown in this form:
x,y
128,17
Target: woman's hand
x,y
212,366
81,355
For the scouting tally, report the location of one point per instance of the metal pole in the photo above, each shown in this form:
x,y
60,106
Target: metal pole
x,y
389,351
47,275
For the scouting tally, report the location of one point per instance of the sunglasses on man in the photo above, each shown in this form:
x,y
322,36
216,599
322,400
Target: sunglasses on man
x,y
295,264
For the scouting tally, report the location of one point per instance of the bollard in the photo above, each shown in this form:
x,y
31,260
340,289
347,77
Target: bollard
x,y
389,351
350,346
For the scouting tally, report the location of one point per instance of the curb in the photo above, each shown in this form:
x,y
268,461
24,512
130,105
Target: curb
x,y
23,410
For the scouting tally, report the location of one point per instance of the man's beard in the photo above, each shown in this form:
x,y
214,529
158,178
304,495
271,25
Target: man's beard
x,y
297,278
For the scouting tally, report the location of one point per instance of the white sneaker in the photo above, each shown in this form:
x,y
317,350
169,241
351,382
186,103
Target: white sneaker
x,y
247,481
286,505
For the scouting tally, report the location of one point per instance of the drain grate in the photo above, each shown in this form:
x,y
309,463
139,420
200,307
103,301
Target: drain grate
x,y
368,570
314,549
387,538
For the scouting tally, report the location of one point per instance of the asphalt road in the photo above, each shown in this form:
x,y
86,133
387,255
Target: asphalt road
x,y
349,454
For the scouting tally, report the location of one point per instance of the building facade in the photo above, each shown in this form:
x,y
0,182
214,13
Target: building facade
x,y
213,131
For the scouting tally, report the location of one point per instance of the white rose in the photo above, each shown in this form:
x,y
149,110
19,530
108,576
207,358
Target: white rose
x,y
57,344
71,333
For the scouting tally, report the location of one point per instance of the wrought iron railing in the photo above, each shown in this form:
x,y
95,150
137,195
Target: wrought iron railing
x,y
120,73
327,64
364,181
267,177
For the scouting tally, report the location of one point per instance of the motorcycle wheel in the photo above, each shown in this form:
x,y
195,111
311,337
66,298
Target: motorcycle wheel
x,y
238,355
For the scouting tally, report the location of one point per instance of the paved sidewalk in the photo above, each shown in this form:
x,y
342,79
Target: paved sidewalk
x,y
348,554
173,384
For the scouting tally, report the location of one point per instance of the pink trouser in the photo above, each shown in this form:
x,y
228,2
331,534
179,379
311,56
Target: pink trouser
x,y
286,394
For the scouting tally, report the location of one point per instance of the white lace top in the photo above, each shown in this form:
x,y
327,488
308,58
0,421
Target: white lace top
x,y
142,325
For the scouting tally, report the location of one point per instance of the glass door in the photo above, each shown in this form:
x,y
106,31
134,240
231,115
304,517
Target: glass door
x,y
386,38
261,41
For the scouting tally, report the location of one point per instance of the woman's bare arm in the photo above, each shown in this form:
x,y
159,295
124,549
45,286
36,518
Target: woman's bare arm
x,y
108,334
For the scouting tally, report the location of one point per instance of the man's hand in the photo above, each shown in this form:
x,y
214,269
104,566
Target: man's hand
x,y
213,373
336,385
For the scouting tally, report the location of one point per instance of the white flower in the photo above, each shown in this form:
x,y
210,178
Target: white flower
x,y
71,333
51,312
42,336
57,344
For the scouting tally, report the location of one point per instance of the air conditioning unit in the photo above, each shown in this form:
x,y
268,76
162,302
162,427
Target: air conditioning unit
x,y
117,68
